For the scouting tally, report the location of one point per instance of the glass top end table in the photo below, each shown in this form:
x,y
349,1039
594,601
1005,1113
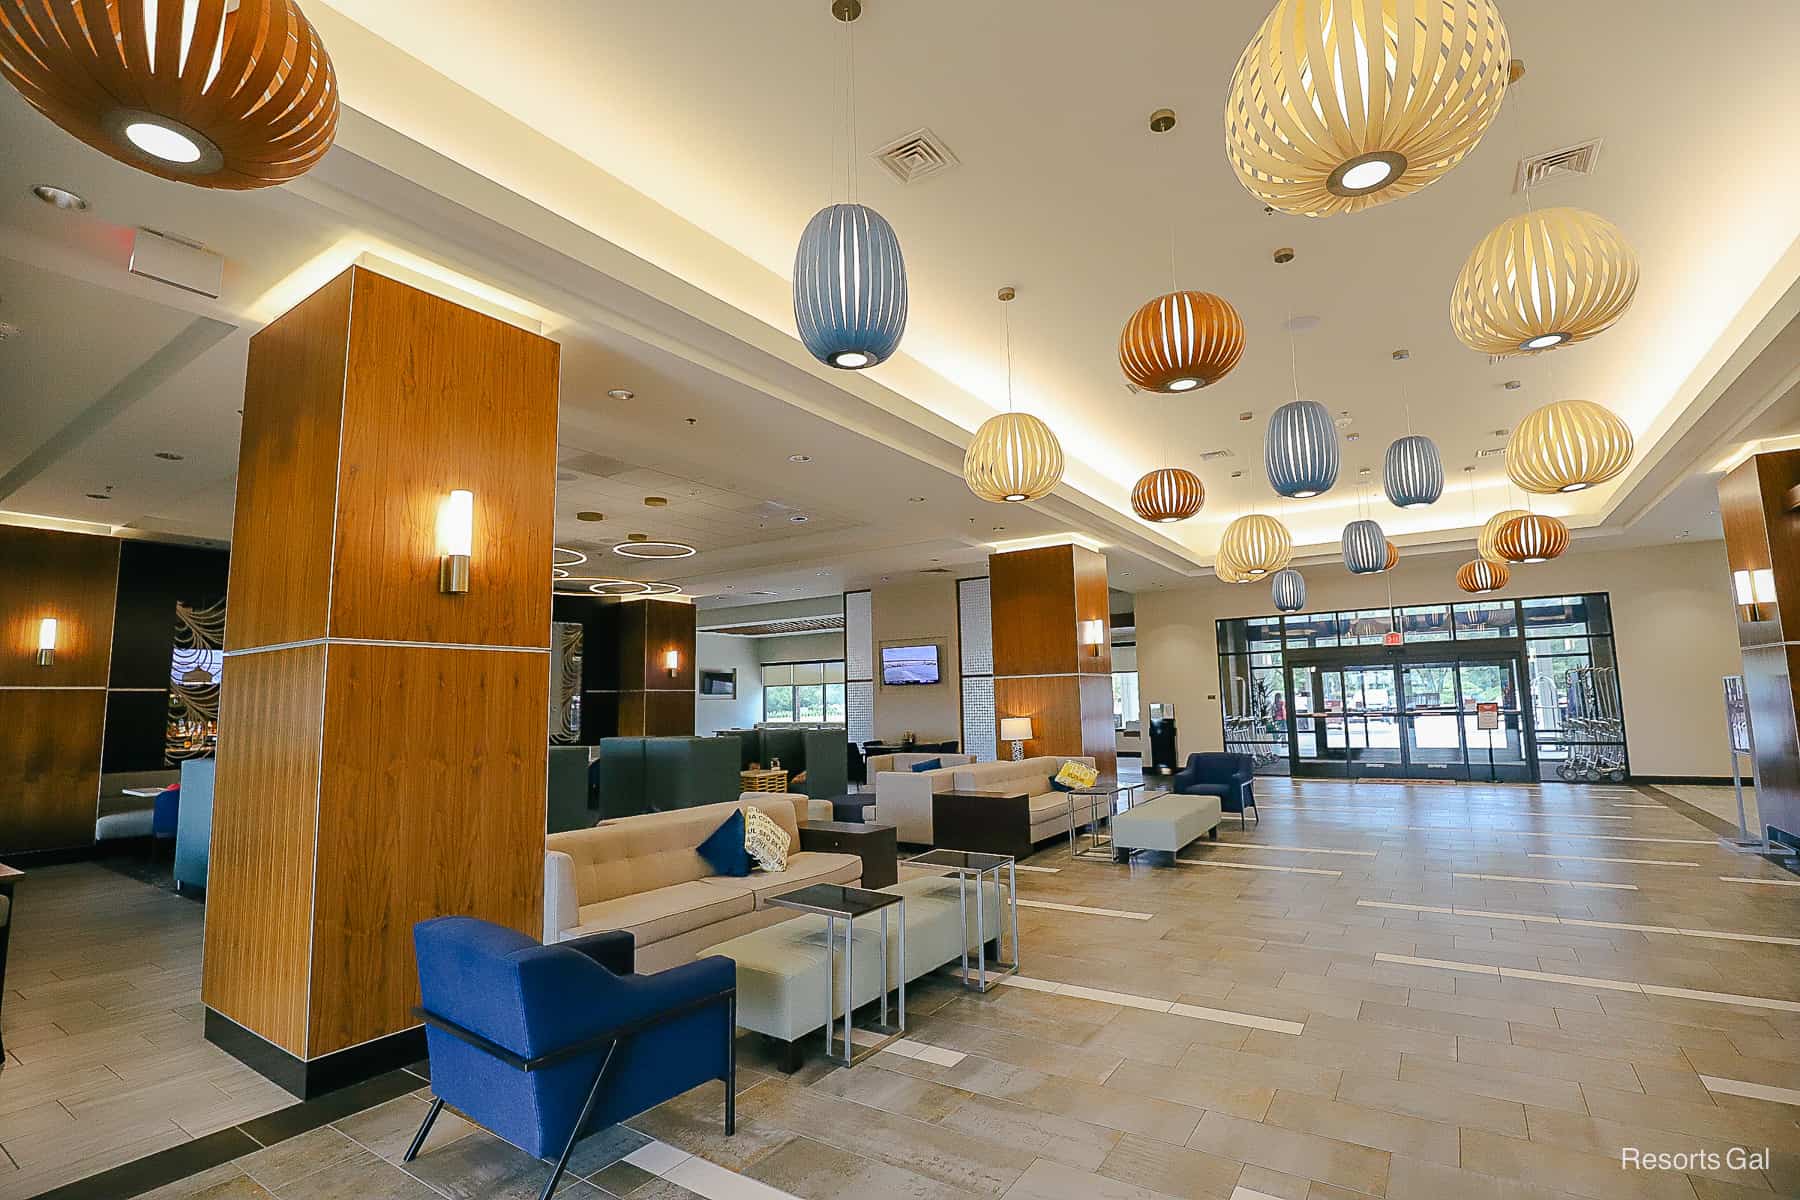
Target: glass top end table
x,y
973,866
1097,842
836,902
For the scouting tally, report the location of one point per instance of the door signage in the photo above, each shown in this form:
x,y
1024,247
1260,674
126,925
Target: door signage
x,y
1487,716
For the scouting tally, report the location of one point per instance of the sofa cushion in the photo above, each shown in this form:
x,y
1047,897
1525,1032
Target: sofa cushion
x,y
1047,805
639,854
806,867
724,849
664,912
764,841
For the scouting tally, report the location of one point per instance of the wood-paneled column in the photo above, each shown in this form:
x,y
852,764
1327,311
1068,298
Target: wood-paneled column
x,y
654,702
382,744
1043,669
1759,504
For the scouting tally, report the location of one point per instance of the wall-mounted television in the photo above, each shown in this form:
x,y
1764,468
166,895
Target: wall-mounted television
x,y
904,665
722,684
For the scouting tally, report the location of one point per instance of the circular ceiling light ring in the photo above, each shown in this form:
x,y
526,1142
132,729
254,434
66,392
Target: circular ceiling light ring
x,y
1479,576
1256,545
619,587
1365,548
652,548
1300,449
1543,279
1532,538
1311,131
1484,545
1288,590
1412,472
1181,342
662,589
1014,457
850,293
1167,495
1568,446
579,557
202,92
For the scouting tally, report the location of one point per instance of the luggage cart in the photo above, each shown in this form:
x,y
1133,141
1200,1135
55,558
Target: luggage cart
x,y
1593,729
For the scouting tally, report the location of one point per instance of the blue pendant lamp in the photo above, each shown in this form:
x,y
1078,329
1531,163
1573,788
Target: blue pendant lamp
x,y
1365,548
1413,475
1300,450
1288,590
850,287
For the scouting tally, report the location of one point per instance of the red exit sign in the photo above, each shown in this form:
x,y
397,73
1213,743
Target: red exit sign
x,y
1394,639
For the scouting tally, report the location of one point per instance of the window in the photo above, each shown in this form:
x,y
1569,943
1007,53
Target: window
x,y
808,693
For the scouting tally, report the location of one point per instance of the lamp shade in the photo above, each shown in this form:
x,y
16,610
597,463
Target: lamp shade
x,y
1541,279
1393,556
1300,449
1412,474
198,91
1479,575
1532,538
1338,105
1013,457
849,287
1365,548
1228,573
1015,729
1255,546
1181,342
1168,494
1567,447
1484,545
1288,590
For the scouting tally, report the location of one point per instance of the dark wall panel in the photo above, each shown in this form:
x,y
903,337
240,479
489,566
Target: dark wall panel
x,y
152,579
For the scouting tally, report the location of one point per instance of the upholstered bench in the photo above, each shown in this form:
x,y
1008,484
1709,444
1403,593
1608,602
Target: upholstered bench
x,y
781,969
1167,822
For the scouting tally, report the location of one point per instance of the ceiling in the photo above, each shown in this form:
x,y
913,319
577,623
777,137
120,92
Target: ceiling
x,y
645,214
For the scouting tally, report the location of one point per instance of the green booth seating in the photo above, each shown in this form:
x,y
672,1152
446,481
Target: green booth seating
x,y
567,806
822,753
621,777
657,774
827,760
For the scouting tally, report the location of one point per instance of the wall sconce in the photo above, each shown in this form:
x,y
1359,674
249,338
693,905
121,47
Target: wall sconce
x,y
456,536
1016,730
1754,589
1092,634
46,654
672,660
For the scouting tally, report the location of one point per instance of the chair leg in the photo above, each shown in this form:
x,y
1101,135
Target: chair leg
x,y
431,1116
587,1110
1243,823
731,1066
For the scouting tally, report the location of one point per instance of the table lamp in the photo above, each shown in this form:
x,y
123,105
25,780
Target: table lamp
x,y
1016,730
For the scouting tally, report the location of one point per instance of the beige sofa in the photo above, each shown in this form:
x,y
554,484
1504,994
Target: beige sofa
x,y
878,763
903,798
645,874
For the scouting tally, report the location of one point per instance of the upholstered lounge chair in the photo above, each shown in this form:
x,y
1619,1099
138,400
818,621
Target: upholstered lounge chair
x,y
1228,776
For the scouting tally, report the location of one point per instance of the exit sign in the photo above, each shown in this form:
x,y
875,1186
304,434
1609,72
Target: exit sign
x,y
1394,639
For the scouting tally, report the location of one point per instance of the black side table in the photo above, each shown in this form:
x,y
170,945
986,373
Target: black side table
x,y
874,844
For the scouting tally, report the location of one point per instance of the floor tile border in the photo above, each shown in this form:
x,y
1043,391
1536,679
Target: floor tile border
x,y
1611,985
1553,919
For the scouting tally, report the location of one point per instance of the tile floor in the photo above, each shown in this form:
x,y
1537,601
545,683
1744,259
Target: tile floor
x,y
1437,1017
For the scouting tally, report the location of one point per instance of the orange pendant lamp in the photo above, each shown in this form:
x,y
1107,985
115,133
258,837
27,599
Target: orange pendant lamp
x,y
232,94
1167,495
1479,576
1486,546
1532,538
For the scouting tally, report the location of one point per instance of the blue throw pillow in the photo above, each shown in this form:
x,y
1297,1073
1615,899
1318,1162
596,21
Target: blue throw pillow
x,y
930,764
723,848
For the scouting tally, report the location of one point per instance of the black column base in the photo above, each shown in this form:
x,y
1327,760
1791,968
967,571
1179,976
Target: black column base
x,y
307,1078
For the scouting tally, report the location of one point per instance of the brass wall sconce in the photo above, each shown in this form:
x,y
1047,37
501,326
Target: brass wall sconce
x,y
456,536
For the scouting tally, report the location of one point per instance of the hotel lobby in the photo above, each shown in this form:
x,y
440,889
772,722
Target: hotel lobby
x,y
848,598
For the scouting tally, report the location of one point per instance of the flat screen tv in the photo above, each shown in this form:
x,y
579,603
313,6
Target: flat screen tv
x,y
902,665
718,683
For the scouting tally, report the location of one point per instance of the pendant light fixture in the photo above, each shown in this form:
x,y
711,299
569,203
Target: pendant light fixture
x,y
1412,472
233,94
1532,538
1543,279
1227,572
1339,105
1167,495
1568,446
1393,556
1185,340
1487,545
1300,445
1365,547
849,275
1256,545
1013,457
1479,576
1288,590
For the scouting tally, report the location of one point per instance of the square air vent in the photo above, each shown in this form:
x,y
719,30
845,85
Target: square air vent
x,y
918,155
1210,455
1539,169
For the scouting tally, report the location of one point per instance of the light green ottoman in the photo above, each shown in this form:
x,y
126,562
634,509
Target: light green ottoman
x,y
1167,822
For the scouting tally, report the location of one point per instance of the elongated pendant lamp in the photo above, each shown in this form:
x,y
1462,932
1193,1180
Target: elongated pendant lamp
x,y
1300,449
1543,279
1365,547
1288,590
1412,472
207,92
1167,495
1567,447
1013,457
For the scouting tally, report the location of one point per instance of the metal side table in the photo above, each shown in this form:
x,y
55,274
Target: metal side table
x,y
1101,800
835,903
967,866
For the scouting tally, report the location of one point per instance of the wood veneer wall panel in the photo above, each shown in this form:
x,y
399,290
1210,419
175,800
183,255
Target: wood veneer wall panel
x,y
667,626
1070,714
70,576
1098,737
1093,602
282,528
428,808
1032,593
438,397
668,714
265,820
50,765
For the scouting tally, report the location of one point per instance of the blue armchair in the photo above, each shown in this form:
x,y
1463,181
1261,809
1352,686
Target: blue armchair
x,y
1228,776
544,1044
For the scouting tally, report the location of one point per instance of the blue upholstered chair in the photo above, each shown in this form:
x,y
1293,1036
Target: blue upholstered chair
x,y
1228,776
544,1044
165,817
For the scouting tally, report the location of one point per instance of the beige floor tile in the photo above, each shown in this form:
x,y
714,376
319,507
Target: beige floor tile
x,y
1047,1180
1196,1089
1171,1170
1326,1160
1412,1179
1577,1172
1433,1103
1066,1140
1361,1125
1496,1084
1611,1139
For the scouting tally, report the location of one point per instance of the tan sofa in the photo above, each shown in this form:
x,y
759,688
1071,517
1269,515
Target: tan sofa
x,y
903,798
645,874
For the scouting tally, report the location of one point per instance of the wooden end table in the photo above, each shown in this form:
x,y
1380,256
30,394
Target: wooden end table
x,y
872,843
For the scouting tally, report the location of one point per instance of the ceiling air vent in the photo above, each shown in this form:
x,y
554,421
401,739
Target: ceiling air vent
x,y
918,155
1539,169
1212,454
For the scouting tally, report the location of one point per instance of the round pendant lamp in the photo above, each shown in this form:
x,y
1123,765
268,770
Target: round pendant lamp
x,y
1167,495
1013,457
1532,538
1543,279
1288,590
1567,447
1339,105
1413,473
850,287
1393,556
1228,573
1365,547
205,92
1256,546
1479,575
1181,342
1300,449
1485,544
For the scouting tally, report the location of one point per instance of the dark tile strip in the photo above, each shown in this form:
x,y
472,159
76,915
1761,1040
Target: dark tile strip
x,y
1698,816
309,1115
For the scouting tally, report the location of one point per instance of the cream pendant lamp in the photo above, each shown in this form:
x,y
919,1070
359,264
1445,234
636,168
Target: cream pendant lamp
x,y
1256,546
1184,340
1013,457
1339,105
233,94
1541,280
1568,446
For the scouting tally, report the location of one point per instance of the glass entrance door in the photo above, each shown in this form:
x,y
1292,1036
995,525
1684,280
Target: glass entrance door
x,y
1346,721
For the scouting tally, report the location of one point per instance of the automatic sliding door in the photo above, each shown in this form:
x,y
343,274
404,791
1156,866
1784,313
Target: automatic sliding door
x,y
1434,744
1372,721
1497,753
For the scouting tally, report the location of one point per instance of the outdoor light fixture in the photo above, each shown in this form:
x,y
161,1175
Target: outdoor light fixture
x,y
1092,634
1016,730
46,654
456,535
1754,589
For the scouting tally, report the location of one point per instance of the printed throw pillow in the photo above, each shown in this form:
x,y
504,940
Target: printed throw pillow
x,y
766,842
927,764
1075,775
724,849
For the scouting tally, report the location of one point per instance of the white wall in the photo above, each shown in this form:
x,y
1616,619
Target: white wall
x,y
801,647
719,652
1675,632
915,613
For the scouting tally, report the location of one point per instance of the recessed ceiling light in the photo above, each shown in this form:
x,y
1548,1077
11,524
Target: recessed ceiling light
x,y
999,529
1366,471
169,456
588,514
799,518
656,502
61,198
1245,416
799,458
824,572
160,141
915,499
622,394
1342,422
1353,437
1237,474
98,496
646,548
1512,385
